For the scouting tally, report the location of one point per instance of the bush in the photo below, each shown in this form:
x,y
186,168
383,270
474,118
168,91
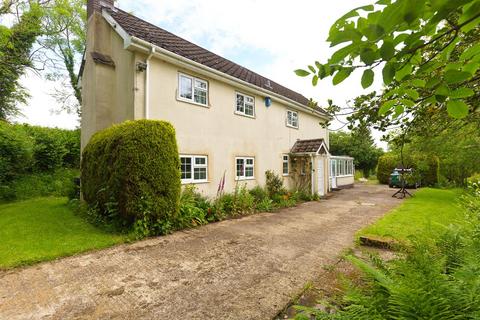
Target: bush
x,y
274,184
191,212
386,164
49,149
259,194
427,168
16,152
131,173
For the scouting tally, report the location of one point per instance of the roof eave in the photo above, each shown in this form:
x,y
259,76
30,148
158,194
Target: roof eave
x,y
137,44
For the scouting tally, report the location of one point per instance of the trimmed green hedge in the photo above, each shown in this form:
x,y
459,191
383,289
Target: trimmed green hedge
x,y
16,152
386,164
427,167
130,173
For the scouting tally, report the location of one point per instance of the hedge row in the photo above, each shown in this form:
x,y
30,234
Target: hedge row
x,y
33,149
426,167
130,175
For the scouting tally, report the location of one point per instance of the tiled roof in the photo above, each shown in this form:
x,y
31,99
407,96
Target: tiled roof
x,y
148,32
307,146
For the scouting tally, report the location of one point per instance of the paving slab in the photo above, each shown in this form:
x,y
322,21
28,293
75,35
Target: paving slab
x,y
248,268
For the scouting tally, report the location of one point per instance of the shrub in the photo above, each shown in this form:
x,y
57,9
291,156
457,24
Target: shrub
x,y
191,214
49,149
259,194
274,183
427,168
71,142
386,164
131,172
16,151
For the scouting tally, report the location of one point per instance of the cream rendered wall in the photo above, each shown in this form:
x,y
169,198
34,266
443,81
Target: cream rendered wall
x,y
216,131
108,92
345,181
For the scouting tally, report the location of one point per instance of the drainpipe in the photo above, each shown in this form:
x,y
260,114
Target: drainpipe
x,y
312,174
147,83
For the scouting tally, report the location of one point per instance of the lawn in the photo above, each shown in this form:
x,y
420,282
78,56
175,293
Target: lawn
x,y
44,229
427,212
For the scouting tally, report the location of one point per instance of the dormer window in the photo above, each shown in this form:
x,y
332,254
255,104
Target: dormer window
x,y
192,89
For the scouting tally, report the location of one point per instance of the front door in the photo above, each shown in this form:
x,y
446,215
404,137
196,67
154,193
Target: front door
x,y
321,177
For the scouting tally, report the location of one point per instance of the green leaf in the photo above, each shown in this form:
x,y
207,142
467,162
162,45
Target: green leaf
x,y
432,83
412,93
367,78
341,75
368,56
457,109
402,73
407,102
456,76
470,11
387,51
470,52
340,54
374,32
462,92
388,73
399,109
302,73
315,80
471,67
443,90
312,69
386,107
419,83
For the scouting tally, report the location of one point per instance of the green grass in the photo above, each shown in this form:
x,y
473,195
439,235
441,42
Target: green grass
x,y
429,211
44,229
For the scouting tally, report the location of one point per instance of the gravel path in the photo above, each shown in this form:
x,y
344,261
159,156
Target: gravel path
x,y
248,268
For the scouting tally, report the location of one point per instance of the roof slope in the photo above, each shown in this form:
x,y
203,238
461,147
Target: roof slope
x,y
307,146
146,31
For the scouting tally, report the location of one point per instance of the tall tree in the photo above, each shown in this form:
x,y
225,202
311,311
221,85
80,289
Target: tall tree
x,y
358,144
16,43
61,48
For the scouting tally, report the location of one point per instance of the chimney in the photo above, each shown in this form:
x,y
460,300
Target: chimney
x,y
96,6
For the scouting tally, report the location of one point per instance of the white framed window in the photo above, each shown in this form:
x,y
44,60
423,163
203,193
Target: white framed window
x,y
342,167
245,105
192,89
292,119
285,165
245,168
194,169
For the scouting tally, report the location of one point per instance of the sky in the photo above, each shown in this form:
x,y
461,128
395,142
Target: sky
x,y
270,37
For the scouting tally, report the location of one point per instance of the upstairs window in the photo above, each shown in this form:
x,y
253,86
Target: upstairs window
x,y
285,169
245,105
192,89
292,119
245,168
194,169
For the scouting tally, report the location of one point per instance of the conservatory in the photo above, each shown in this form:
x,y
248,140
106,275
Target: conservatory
x,y
342,172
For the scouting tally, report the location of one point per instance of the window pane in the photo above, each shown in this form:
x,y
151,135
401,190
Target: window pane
x,y
200,84
249,172
240,103
185,87
200,174
240,167
285,168
200,160
200,96
250,161
249,109
186,167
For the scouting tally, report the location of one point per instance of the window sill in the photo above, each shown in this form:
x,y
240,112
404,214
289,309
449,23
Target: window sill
x,y
195,182
344,176
193,102
244,179
244,115
286,175
292,127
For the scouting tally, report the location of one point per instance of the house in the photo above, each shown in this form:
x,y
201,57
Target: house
x,y
230,122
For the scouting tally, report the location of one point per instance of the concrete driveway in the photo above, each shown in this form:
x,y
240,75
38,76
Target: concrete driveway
x,y
248,268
